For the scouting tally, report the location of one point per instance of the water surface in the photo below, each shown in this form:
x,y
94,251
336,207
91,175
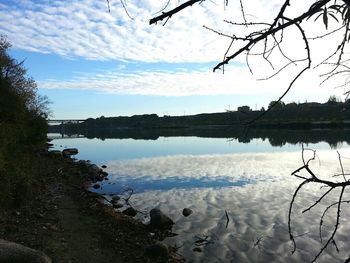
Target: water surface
x,y
252,182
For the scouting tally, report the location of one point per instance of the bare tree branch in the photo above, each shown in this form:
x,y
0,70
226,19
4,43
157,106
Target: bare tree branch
x,y
274,30
313,178
170,13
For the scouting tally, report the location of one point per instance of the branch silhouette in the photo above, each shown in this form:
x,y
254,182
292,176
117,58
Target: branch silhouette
x,y
332,185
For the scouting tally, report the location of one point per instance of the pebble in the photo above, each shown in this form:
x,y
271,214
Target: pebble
x,y
130,211
186,212
96,186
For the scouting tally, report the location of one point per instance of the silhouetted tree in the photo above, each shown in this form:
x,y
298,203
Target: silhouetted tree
x,y
23,127
13,76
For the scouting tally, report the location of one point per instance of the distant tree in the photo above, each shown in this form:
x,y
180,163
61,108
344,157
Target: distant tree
x,y
291,106
333,100
244,109
276,104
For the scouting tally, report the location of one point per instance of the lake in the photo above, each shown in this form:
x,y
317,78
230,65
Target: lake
x,y
249,183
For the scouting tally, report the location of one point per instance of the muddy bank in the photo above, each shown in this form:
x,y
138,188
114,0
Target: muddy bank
x,y
70,224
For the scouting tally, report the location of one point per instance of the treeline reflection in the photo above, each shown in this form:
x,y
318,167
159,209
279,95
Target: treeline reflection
x,y
276,138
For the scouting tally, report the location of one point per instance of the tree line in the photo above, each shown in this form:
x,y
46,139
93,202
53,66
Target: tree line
x,y
331,114
23,127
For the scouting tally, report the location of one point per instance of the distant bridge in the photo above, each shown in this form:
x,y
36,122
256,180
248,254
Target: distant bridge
x,y
55,136
66,121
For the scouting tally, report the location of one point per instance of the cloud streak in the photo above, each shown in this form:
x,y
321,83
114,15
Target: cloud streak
x,y
236,81
84,28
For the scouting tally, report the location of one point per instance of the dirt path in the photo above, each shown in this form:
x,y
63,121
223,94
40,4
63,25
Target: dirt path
x,y
70,224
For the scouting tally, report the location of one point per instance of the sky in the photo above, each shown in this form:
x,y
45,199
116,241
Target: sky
x,y
91,62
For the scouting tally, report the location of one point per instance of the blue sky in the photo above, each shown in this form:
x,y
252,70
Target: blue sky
x,y
90,62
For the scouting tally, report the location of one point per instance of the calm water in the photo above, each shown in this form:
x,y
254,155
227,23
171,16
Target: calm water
x,y
251,181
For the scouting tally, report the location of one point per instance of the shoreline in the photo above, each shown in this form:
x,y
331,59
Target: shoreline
x,y
71,224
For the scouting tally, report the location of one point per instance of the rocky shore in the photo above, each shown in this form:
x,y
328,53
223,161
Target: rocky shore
x,y
67,223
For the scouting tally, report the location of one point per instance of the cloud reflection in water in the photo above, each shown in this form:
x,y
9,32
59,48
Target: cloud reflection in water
x,y
255,189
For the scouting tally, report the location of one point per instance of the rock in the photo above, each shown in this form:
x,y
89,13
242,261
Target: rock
x,y
83,163
117,205
130,211
94,173
159,219
115,199
70,151
104,166
94,168
116,202
104,174
55,153
98,178
157,252
96,186
15,253
186,212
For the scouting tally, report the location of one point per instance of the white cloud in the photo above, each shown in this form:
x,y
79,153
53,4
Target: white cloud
x,y
237,80
85,29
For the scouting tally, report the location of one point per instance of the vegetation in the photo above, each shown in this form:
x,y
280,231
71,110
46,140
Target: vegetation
x,y
332,114
23,129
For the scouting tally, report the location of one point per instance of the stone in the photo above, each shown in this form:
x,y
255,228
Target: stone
x,y
94,168
15,253
98,178
70,151
115,199
104,166
186,212
83,163
95,172
104,174
157,252
159,219
117,205
96,186
55,153
130,211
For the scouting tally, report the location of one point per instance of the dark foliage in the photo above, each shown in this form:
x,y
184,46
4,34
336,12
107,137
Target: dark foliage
x,y
23,128
332,114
